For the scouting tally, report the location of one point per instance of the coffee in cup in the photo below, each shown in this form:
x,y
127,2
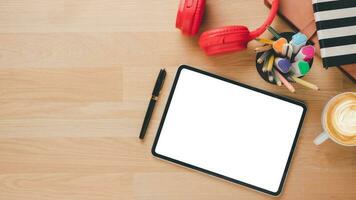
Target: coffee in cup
x,y
339,120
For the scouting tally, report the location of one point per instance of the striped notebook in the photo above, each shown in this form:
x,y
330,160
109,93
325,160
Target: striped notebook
x,y
336,24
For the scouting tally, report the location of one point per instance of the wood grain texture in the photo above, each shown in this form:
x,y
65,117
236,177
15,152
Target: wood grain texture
x,y
75,80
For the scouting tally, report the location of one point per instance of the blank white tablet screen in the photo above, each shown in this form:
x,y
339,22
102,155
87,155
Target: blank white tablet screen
x,y
229,130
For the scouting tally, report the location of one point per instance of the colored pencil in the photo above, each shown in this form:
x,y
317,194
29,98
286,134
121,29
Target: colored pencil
x,y
270,76
263,57
278,81
285,82
265,64
304,83
274,32
263,48
265,40
270,63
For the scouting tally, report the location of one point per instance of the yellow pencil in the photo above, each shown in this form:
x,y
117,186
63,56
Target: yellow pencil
x,y
263,48
270,63
305,83
265,40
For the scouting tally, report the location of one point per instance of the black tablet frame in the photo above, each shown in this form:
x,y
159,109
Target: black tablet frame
x,y
299,103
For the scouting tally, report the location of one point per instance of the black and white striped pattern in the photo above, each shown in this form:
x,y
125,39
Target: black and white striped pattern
x,y
336,24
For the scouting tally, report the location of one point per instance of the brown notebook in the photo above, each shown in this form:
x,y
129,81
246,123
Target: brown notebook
x,y
300,15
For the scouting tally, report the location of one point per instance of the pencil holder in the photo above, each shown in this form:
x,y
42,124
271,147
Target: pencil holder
x,y
288,36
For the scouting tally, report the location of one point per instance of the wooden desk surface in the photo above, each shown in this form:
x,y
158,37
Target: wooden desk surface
x,y
75,80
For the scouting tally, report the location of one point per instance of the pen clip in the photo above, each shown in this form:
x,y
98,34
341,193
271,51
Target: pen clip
x,y
159,82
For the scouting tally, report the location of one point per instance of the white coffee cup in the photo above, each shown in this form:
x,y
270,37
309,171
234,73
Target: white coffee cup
x,y
334,110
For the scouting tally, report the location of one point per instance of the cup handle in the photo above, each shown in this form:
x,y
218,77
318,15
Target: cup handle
x,y
321,138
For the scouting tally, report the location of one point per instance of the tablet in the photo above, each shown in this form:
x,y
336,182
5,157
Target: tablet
x,y
229,130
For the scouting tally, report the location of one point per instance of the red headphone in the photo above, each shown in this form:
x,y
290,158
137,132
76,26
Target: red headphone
x,y
220,40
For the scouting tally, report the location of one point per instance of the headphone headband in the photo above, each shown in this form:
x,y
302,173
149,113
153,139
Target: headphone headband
x,y
274,9
219,40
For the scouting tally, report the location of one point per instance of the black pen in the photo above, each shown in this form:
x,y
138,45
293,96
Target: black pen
x,y
151,105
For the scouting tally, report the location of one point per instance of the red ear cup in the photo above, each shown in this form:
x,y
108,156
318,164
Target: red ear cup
x,y
190,15
224,40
